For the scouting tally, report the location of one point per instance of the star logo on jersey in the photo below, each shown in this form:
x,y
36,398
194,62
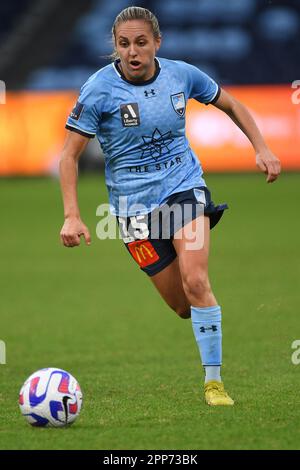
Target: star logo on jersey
x,y
156,145
178,103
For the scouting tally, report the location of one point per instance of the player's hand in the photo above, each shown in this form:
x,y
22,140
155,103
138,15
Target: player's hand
x,y
269,164
72,230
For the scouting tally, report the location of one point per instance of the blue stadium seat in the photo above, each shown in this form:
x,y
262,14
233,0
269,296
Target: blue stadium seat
x,y
175,44
58,79
201,43
279,24
203,11
232,11
174,11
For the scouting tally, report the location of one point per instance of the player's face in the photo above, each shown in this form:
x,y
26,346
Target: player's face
x,y
136,46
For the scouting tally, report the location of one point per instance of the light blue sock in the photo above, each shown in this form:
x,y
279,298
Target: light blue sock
x,y
206,323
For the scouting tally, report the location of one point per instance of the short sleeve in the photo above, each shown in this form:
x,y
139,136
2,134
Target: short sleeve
x,y
202,87
86,114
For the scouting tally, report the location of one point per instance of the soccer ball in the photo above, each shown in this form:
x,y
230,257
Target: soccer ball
x,y
50,397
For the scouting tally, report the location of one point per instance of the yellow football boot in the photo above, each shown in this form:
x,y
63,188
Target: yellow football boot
x,y
215,394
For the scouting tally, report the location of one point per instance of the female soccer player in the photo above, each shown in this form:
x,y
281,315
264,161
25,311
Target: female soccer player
x,y
136,107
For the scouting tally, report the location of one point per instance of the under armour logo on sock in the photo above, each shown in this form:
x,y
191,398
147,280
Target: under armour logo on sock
x,y
212,328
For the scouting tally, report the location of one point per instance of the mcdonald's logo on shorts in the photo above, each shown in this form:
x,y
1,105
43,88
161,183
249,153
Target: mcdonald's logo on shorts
x,y
143,252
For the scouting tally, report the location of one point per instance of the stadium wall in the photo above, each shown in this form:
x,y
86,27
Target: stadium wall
x,y
32,130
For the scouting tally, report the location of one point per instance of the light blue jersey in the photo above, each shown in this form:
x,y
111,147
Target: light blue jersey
x,y
141,128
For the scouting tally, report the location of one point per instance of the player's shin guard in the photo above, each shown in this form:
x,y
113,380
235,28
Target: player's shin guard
x,y
206,323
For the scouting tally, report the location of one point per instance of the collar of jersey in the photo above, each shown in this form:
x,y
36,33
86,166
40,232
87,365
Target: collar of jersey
x,y
146,82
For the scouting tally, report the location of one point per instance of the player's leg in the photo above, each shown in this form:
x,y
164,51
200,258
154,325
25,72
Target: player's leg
x,y
158,259
193,254
169,284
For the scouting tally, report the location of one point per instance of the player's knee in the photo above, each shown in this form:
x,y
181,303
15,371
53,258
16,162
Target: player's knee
x,y
183,312
196,285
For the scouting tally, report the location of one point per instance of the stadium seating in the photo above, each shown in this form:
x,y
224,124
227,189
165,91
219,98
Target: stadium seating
x,y
232,40
9,14
279,24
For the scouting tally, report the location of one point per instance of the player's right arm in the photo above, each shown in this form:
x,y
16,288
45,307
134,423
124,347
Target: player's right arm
x,y
73,226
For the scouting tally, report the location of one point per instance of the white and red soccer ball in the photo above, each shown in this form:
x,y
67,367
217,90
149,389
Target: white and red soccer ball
x,y
50,397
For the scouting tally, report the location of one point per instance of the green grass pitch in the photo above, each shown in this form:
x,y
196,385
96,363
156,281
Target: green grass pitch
x,y
92,312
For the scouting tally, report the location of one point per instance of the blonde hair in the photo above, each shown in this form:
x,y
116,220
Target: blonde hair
x,y
134,13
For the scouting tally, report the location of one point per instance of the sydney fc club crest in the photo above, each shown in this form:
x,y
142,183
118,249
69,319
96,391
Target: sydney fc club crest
x,y
178,102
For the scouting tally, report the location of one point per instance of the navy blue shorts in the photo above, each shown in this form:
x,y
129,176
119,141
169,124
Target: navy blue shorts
x,y
148,238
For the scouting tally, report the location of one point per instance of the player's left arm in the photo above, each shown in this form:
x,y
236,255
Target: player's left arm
x,y
265,159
